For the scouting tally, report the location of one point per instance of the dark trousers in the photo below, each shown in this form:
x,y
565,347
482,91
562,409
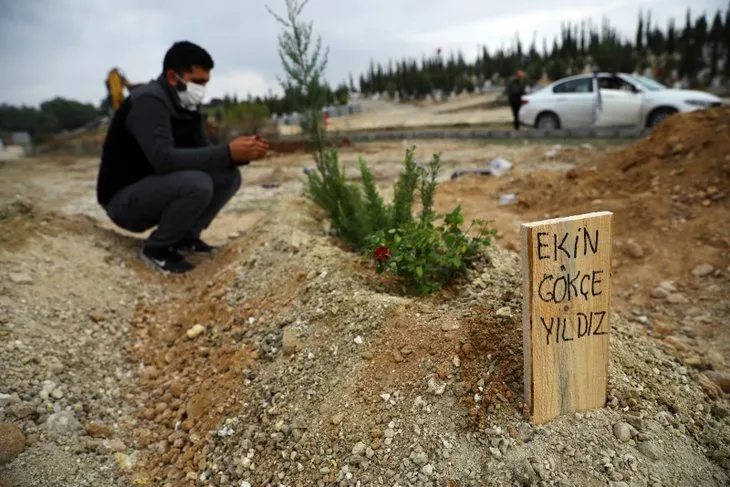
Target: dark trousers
x,y
515,114
180,204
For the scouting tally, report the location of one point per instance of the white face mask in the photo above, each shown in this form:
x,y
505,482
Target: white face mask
x,y
193,96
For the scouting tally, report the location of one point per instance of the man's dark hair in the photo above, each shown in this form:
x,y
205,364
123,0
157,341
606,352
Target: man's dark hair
x,y
183,55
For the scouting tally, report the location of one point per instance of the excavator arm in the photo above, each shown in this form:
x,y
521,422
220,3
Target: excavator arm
x,y
115,85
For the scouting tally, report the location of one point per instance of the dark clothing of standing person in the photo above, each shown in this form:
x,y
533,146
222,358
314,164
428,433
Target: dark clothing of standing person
x,y
515,91
158,168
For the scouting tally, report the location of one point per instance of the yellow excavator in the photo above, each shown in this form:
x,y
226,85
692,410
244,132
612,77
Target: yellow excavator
x,y
116,83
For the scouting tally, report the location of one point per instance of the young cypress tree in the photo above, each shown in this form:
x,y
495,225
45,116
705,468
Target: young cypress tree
x,y
304,63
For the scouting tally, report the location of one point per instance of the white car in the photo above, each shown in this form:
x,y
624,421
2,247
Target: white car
x,y
623,100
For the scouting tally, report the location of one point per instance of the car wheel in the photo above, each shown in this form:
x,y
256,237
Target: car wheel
x,y
548,121
658,116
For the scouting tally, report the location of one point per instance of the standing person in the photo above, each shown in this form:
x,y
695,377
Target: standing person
x,y
158,168
515,90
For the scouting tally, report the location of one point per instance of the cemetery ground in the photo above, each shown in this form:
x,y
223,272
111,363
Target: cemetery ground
x,y
286,360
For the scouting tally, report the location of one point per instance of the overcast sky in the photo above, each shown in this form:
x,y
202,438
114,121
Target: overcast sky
x,y
65,48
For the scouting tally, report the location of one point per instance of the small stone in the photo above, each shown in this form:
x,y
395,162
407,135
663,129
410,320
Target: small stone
x,y
634,250
436,386
195,331
376,443
150,372
98,430
21,410
427,470
504,312
196,406
703,270
359,449
622,431
12,442
419,458
669,286
467,349
63,423
659,293
115,445
5,399
617,484
495,452
20,278
290,343
96,317
677,298
449,326
397,357
650,449
359,340
337,419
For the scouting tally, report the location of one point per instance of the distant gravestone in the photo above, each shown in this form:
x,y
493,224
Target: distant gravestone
x,y
21,138
566,270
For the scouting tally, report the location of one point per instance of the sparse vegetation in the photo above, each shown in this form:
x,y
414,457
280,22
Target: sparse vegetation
x,y
425,255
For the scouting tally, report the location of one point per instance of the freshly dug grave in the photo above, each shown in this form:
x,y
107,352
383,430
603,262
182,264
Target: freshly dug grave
x,y
305,370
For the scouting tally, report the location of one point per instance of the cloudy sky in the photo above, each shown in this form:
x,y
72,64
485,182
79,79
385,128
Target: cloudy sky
x,y
64,48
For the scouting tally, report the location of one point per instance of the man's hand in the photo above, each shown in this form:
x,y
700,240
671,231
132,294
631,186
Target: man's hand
x,y
251,148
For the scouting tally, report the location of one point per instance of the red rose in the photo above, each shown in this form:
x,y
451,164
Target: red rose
x,y
382,253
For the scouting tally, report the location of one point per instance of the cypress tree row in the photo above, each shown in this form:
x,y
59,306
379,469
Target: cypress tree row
x,y
697,53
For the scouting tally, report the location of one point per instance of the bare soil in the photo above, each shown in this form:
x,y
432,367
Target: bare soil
x,y
311,369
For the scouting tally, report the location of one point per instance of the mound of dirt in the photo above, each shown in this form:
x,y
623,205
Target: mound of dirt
x,y
289,363
687,159
669,194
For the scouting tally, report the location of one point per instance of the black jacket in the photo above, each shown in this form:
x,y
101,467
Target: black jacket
x,y
150,134
515,90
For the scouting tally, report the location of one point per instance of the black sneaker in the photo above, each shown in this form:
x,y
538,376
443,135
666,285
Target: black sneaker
x,y
195,246
166,259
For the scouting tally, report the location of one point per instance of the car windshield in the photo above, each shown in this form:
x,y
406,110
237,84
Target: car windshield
x,y
647,83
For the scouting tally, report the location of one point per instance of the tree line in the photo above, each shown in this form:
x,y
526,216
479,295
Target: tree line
x,y
696,53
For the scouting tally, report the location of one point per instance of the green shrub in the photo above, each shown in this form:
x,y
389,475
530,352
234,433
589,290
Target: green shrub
x,y
425,255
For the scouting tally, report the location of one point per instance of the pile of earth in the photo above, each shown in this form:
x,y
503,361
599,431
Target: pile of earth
x,y
669,192
288,361
670,197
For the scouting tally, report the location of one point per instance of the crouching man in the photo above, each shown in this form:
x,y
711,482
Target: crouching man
x,y
158,168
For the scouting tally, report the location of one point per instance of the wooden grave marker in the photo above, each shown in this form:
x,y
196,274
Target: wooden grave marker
x,y
566,273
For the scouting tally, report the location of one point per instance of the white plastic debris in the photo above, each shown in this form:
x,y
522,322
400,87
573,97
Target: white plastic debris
x,y
507,198
499,167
